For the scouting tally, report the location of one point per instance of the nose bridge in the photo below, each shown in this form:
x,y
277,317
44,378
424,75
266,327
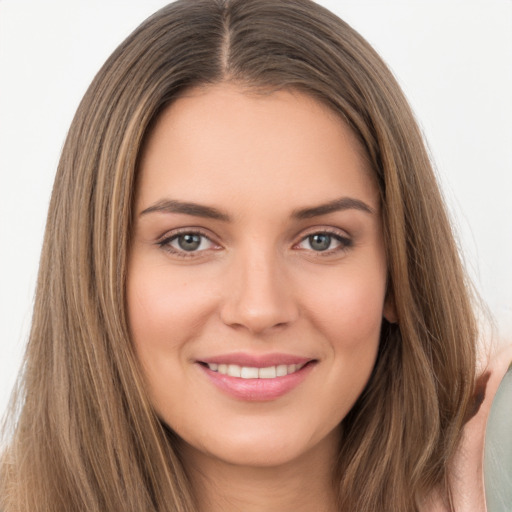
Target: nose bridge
x,y
259,296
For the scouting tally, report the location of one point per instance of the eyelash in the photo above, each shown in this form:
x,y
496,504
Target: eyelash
x,y
345,243
165,243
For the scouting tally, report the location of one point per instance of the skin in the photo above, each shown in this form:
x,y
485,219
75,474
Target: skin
x,y
257,284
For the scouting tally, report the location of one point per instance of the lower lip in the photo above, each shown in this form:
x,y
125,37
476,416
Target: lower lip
x,y
257,390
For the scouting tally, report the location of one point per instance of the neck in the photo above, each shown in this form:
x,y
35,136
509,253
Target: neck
x,y
299,486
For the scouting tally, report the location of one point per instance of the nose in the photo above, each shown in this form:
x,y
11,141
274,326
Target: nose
x,y
258,295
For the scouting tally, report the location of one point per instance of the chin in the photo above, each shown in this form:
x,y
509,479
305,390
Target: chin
x,y
261,447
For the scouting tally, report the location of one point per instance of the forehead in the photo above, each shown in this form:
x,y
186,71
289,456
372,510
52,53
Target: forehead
x,y
217,142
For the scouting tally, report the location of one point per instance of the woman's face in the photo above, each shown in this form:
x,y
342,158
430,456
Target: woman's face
x,y
257,274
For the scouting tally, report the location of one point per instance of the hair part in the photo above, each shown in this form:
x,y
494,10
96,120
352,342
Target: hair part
x,y
86,437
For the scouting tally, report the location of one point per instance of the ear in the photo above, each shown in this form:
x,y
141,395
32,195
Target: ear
x,y
389,310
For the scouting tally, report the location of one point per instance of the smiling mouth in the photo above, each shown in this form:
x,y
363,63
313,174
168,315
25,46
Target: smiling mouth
x,y
256,379
252,372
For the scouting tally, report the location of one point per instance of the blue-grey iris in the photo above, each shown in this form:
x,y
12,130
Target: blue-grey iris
x,y
189,242
320,241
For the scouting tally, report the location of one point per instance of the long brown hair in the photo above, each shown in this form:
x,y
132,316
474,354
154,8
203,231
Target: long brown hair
x,y
85,437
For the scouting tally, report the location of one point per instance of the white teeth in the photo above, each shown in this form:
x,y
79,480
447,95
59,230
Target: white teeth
x,y
234,370
267,373
250,372
281,370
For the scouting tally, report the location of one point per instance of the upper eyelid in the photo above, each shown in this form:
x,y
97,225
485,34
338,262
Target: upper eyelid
x,y
341,233
173,233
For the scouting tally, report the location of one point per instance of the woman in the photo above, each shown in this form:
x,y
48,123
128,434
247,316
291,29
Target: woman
x,y
244,189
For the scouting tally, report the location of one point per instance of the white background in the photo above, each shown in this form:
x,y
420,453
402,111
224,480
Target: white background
x,y
452,57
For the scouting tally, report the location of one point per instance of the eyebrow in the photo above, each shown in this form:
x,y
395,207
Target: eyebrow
x,y
209,212
343,203
197,210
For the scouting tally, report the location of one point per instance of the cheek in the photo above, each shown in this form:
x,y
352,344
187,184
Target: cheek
x,y
167,311
350,318
345,310
348,307
165,308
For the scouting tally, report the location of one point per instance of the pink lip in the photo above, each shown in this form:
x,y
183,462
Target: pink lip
x,y
257,390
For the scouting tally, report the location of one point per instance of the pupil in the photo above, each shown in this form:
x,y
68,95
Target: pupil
x,y
189,242
320,242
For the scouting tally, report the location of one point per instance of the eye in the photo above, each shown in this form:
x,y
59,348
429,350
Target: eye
x,y
187,243
324,242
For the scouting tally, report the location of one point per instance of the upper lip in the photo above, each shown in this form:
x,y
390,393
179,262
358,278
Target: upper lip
x,y
256,360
